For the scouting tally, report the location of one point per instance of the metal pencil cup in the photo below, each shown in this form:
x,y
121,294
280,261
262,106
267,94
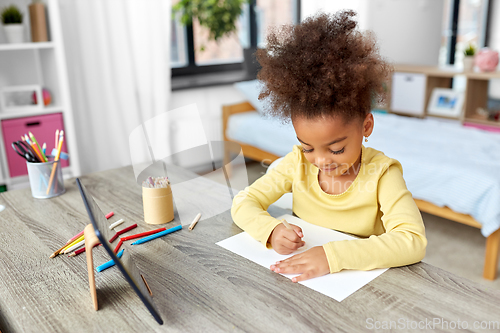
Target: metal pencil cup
x,y
40,179
158,205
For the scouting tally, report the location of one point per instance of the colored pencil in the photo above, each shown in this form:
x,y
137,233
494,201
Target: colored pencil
x,y
108,215
115,224
44,148
196,219
118,245
110,263
57,138
118,233
29,146
147,286
65,245
159,234
75,237
58,251
75,246
77,252
285,223
79,239
39,156
142,234
56,159
32,137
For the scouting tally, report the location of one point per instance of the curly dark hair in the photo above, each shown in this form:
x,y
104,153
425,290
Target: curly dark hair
x,y
321,67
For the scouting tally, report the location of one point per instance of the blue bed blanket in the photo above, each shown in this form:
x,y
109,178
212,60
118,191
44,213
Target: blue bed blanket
x,y
443,162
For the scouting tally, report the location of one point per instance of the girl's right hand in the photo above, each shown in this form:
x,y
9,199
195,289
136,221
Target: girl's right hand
x,y
285,241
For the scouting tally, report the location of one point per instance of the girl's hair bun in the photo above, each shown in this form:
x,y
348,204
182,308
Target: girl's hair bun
x,y
322,67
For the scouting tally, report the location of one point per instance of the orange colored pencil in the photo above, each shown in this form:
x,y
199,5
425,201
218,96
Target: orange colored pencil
x,y
35,149
65,245
33,139
56,159
58,251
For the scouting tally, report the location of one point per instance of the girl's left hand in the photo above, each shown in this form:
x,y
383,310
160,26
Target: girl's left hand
x,y
310,264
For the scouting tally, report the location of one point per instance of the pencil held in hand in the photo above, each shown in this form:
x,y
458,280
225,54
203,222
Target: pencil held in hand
x,y
286,224
289,227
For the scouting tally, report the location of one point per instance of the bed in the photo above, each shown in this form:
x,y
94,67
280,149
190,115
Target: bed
x,y
444,181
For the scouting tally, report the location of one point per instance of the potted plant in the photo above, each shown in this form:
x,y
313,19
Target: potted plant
x,y
12,20
469,58
219,17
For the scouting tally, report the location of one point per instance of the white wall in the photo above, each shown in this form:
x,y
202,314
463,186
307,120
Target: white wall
x,y
310,7
209,101
408,31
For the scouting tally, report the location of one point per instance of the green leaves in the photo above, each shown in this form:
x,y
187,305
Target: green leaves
x,y
470,50
218,16
11,15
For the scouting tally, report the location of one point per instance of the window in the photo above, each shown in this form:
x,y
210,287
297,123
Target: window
x,y
187,56
227,50
274,13
464,22
178,47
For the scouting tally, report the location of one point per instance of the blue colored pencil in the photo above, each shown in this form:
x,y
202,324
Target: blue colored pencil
x,y
163,233
110,263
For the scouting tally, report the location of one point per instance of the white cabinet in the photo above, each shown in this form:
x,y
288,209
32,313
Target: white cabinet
x,y
41,64
408,93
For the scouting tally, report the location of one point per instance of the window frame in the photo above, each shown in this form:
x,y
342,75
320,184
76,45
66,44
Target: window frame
x,y
193,69
452,39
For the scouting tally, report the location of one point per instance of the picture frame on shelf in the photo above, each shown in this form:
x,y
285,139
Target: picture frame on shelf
x,y
446,103
21,98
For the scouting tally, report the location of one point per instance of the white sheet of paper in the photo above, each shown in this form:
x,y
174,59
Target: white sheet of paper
x,y
337,286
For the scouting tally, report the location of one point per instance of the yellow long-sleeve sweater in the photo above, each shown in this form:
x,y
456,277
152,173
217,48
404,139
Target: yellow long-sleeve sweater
x,y
377,207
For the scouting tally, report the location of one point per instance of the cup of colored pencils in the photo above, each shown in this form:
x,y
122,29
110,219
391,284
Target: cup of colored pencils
x,y
157,200
45,175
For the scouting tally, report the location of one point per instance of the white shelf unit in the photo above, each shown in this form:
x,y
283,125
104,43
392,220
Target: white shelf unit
x,y
42,64
26,46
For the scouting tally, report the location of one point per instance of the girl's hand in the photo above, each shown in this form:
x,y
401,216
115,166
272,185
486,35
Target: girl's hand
x,y
285,241
310,264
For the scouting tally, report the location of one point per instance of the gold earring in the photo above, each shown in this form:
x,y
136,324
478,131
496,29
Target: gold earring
x,y
366,139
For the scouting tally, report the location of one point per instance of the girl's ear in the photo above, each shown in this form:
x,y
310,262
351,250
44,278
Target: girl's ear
x,y
368,125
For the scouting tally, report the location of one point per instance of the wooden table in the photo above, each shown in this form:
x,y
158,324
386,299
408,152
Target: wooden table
x,y
197,285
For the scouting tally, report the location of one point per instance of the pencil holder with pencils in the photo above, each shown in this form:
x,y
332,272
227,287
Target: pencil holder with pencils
x,y
46,179
157,201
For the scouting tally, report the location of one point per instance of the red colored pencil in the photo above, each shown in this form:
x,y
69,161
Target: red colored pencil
x,y
118,233
118,245
77,252
147,233
108,215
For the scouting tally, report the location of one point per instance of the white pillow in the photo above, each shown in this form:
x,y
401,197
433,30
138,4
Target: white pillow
x,y
251,90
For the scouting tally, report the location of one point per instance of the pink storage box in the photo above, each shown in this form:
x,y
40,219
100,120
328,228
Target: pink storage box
x,y
43,128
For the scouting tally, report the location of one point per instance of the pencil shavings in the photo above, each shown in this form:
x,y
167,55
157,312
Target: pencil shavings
x,y
156,182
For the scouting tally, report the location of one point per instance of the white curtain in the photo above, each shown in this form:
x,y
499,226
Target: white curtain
x,y
118,59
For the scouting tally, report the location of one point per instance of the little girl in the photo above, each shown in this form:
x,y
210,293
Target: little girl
x,y
324,76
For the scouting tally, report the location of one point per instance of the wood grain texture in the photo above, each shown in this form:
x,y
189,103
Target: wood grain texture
x,y
197,285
